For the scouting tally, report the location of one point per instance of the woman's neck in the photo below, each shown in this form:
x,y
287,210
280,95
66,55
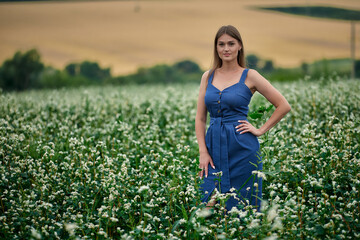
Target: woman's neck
x,y
230,67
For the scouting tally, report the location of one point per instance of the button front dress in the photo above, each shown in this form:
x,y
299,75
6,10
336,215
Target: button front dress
x,y
234,155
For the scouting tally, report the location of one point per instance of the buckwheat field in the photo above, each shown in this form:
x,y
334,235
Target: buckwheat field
x,y
121,163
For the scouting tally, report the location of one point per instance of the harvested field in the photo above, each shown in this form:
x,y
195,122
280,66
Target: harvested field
x,y
124,35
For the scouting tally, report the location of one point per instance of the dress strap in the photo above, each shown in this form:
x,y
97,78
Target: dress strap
x,y
243,75
211,76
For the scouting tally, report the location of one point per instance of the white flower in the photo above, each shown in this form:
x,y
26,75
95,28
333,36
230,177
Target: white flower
x,y
70,228
181,221
232,189
260,174
272,237
254,223
272,213
277,224
219,174
234,210
243,214
143,188
205,212
35,234
264,205
127,206
221,236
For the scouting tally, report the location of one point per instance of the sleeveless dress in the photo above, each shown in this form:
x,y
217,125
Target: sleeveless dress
x,y
234,155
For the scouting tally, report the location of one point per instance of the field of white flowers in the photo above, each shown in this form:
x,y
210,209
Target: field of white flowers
x,y
121,163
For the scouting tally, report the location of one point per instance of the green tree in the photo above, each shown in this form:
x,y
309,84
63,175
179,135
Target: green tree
x,y
160,73
22,71
54,78
268,66
187,66
90,70
73,69
305,67
357,68
252,61
93,71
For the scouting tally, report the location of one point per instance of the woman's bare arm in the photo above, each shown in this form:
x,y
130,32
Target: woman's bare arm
x,y
260,84
200,125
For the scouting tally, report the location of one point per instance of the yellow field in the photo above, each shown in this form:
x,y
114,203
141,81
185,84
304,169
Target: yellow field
x,y
117,36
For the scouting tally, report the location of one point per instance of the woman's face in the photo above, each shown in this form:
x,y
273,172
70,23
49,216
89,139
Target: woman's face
x,y
227,48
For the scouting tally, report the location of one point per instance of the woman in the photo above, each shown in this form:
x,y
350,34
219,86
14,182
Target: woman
x,y
229,152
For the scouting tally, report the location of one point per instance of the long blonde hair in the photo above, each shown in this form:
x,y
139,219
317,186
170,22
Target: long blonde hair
x,y
234,33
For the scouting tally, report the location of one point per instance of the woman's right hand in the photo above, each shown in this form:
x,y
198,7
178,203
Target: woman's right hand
x,y
204,162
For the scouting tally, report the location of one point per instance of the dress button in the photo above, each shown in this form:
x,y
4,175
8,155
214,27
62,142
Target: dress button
x,y
218,101
219,93
218,110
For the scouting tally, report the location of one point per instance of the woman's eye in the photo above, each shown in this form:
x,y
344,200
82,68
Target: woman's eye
x,y
231,44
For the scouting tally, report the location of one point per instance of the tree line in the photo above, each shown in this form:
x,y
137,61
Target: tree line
x,y
25,70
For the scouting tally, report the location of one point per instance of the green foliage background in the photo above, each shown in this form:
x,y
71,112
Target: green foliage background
x,y
26,71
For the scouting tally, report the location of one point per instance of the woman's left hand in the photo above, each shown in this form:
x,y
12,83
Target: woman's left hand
x,y
245,126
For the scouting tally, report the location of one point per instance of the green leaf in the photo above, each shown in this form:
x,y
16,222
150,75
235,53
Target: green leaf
x,y
269,108
261,109
184,213
255,115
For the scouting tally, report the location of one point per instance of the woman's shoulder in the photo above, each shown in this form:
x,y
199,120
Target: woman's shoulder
x,y
255,79
206,74
253,74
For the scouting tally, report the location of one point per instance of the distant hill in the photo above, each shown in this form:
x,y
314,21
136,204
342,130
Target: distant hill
x,y
319,11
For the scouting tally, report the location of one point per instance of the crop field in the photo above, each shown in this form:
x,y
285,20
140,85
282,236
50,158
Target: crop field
x,y
124,35
121,163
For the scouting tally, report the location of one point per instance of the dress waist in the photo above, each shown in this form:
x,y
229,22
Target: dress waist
x,y
226,119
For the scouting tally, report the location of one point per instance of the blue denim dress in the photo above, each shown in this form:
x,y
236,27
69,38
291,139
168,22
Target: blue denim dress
x,y
235,155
